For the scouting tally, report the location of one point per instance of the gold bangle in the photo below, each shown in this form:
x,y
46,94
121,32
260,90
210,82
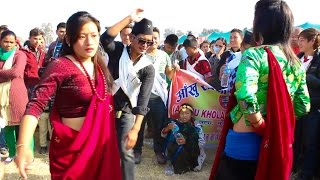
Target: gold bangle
x,y
19,145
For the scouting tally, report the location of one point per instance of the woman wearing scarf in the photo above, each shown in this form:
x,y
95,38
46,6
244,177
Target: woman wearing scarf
x,y
13,92
270,89
83,144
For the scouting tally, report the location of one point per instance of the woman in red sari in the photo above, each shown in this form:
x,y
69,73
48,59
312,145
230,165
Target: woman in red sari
x,y
83,144
270,91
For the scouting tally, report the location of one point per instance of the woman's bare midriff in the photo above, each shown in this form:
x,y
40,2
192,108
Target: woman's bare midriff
x,y
241,126
73,123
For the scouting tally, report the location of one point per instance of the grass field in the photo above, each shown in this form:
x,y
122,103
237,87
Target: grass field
x,y
147,170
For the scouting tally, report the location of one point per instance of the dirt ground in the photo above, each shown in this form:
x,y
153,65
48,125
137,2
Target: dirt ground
x,y
147,170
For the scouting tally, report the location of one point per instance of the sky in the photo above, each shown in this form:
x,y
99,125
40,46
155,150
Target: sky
x,y
183,15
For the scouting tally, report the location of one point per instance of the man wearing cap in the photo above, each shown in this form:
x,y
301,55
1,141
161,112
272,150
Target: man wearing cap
x,y
134,76
196,62
157,103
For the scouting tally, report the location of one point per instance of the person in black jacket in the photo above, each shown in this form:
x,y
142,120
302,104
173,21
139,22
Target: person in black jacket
x,y
309,42
134,78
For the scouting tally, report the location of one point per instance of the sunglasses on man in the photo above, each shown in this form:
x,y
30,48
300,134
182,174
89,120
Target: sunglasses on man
x,y
142,41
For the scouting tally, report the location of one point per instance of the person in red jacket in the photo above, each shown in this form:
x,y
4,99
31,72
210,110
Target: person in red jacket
x,y
294,37
35,56
12,107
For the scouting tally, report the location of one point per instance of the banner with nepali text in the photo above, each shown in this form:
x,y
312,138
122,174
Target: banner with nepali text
x,y
209,105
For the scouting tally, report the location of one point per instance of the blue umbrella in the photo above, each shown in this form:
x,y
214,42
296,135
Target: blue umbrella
x,y
184,37
226,35
181,39
216,35
309,25
213,36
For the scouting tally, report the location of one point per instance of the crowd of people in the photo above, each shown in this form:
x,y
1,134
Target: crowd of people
x,y
92,97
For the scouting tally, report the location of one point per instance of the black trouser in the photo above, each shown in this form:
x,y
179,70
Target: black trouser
x,y
183,160
233,169
311,131
157,115
298,145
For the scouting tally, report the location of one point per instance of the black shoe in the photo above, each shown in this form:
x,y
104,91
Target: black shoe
x,y
137,158
161,159
43,150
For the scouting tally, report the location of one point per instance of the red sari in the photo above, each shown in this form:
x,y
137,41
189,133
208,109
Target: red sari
x,y
90,153
276,155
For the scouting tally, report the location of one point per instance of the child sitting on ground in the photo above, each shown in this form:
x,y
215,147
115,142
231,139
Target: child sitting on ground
x,y
182,142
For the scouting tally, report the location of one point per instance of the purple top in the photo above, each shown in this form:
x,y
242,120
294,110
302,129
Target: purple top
x,y
70,86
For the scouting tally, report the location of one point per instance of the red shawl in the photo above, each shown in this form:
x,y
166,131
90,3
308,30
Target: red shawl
x,y
275,158
90,153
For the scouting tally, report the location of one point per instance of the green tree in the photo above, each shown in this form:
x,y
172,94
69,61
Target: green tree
x,y
179,33
206,31
48,32
168,31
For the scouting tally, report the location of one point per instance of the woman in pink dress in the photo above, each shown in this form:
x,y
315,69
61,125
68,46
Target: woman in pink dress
x,y
13,92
